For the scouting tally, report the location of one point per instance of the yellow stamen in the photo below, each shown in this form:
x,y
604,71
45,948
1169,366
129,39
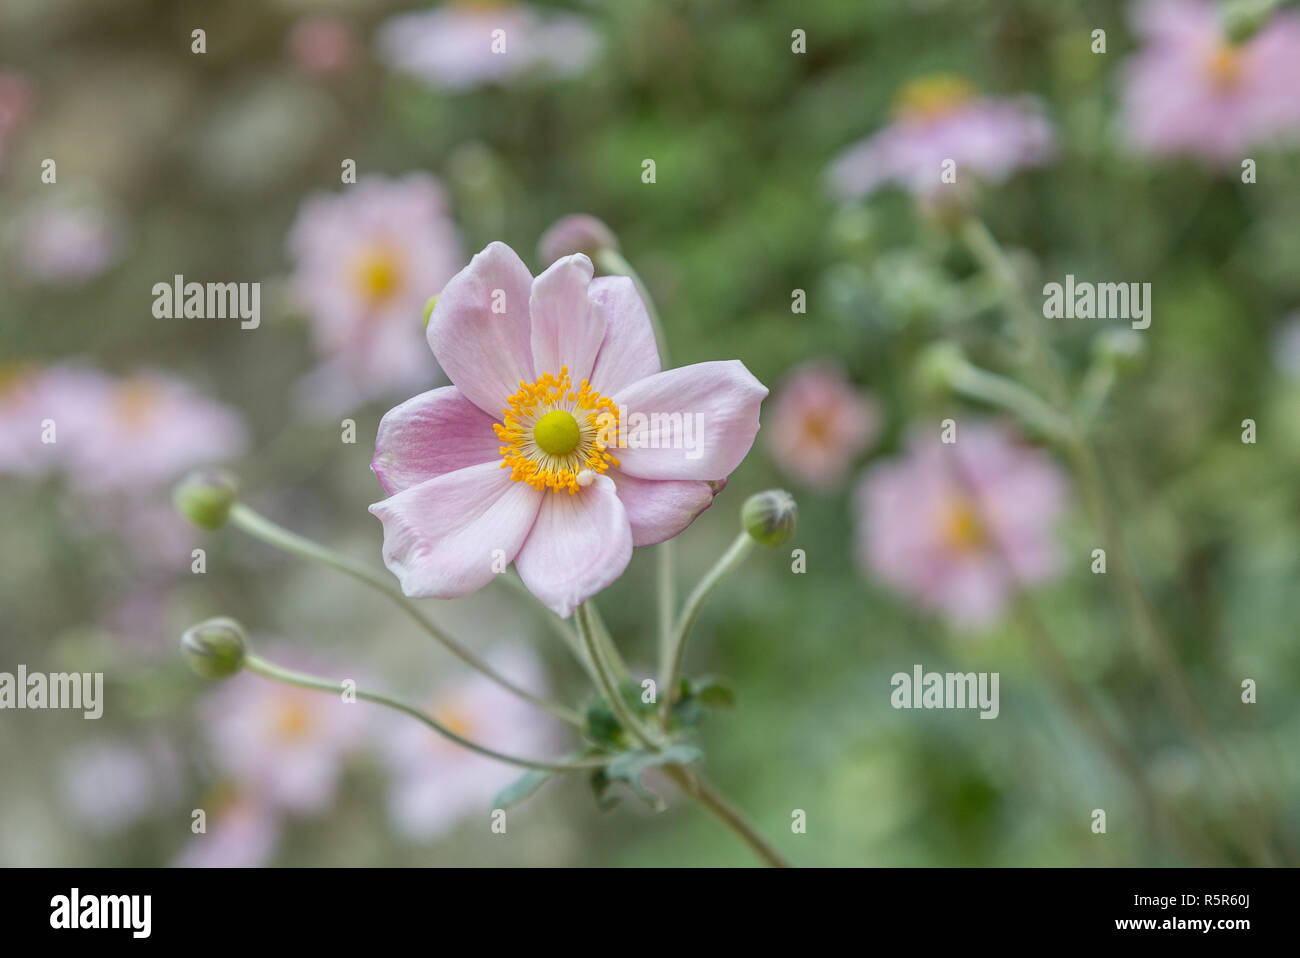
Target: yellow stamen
x,y
293,720
1224,66
378,275
135,401
931,97
552,433
962,529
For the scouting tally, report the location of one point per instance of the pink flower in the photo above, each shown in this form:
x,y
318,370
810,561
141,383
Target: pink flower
x,y
544,452
940,118
322,45
281,745
819,424
22,411
367,261
436,782
1190,90
462,46
241,832
132,434
109,785
66,243
958,527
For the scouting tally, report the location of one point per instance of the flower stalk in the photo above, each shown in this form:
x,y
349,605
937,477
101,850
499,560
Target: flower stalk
x,y
275,535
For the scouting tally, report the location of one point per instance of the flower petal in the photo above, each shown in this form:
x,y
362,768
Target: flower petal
x,y
430,434
566,330
579,544
694,422
440,536
629,351
659,509
485,353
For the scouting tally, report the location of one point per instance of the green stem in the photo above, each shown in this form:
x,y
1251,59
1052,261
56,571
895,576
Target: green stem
x,y
262,528
612,261
975,383
735,555
269,670
667,593
694,785
606,682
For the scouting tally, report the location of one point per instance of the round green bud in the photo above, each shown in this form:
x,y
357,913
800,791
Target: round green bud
x,y
1122,349
215,649
938,365
769,517
205,497
428,309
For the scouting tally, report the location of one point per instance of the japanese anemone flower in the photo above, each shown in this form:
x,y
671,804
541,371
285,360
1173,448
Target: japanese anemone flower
x,y
560,444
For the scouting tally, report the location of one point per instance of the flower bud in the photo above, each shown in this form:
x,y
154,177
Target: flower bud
x,y
938,365
769,517
205,497
578,233
1122,349
428,310
215,649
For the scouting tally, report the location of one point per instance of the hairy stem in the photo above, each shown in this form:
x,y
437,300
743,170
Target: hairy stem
x,y
262,528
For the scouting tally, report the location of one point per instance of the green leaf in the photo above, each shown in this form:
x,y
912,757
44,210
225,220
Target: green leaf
x,y
521,788
601,725
631,766
716,693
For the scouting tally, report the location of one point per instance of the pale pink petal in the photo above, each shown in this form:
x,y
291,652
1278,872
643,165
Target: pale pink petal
x,y
659,509
566,330
485,353
629,351
694,422
433,433
447,536
579,544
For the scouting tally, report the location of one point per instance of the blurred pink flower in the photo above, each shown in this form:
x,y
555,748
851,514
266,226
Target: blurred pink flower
x,y
322,45
367,260
281,745
941,118
819,423
436,782
22,411
241,833
109,785
511,462
956,527
1189,90
132,434
458,46
66,243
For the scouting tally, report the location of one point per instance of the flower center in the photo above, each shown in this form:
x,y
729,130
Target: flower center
x,y
135,402
932,97
378,275
555,436
962,529
292,721
1224,66
557,433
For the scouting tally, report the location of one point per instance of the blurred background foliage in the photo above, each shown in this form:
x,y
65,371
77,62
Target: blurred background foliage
x,y
206,159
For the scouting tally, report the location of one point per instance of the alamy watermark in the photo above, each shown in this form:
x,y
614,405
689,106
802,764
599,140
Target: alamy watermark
x,y
1071,300
946,690
181,300
54,690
